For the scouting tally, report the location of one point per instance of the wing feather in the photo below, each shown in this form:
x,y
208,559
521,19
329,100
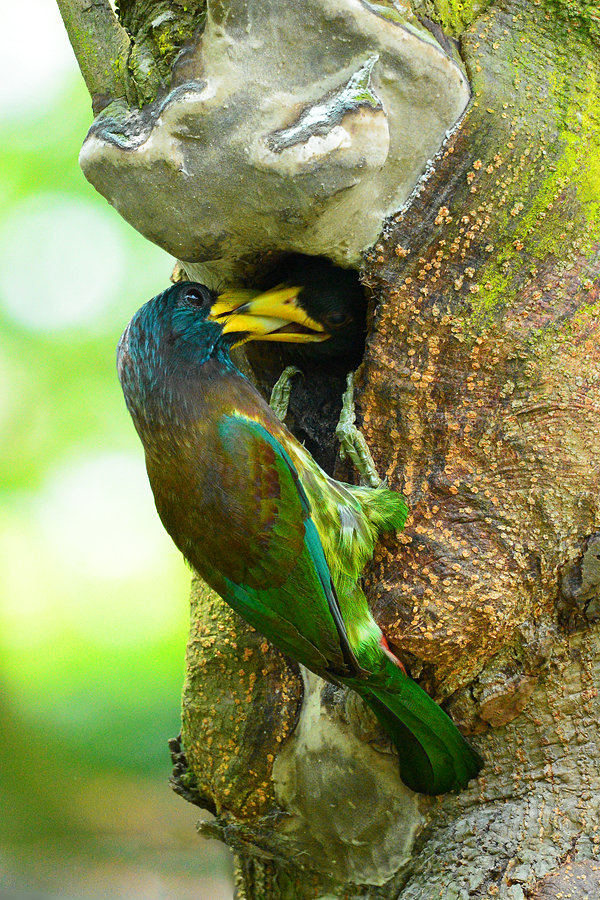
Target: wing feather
x,y
280,581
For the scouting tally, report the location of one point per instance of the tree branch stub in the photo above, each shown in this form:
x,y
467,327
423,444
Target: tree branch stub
x,y
101,46
256,147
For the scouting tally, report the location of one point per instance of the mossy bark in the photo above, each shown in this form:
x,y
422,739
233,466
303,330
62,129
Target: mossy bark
x,y
480,399
480,381
101,46
479,396
159,31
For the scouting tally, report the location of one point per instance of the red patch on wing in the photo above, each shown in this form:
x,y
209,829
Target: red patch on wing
x,y
386,649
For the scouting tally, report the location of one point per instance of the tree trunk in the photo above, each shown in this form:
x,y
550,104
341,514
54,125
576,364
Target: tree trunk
x,y
479,396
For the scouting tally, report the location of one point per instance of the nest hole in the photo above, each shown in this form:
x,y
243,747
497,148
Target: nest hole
x,y
335,297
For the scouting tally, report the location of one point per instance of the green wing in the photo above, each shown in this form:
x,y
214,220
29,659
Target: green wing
x,y
349,520
278,578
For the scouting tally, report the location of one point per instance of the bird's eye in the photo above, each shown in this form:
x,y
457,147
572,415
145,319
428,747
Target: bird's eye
x,y
337,318
195,296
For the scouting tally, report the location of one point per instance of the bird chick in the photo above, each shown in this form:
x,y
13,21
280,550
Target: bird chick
x,y
304,300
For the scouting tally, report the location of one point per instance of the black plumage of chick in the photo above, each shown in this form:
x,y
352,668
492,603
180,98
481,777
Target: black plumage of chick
x,y
334,298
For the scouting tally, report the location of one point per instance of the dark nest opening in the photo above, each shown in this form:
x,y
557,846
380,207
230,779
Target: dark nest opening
x,y
336,297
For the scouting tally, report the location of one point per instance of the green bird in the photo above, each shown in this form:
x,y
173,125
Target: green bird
x,y
281,542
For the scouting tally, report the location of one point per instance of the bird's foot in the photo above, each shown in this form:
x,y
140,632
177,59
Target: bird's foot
x,y
280,395
352,443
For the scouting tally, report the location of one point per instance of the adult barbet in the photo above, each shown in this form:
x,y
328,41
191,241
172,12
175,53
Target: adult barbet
x,y
281,542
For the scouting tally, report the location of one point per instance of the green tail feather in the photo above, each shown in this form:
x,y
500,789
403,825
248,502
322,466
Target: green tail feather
x,y
434,756
386,510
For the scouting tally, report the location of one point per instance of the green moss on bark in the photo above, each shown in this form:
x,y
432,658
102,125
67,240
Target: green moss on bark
x,y
487,321
582,16
159,29
452,15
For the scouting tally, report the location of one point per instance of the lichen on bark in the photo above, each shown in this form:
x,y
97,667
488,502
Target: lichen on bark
x,y
485,350
159,29
101,47
452,15
246,696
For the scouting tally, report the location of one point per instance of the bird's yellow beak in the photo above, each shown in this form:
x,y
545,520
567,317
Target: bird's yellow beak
x,y
274,315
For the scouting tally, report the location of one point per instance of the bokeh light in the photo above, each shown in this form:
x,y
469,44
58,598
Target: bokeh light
x,y
77,244
93,595
97,516
35,69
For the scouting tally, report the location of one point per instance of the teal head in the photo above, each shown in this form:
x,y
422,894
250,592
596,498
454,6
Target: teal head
x,y
166,343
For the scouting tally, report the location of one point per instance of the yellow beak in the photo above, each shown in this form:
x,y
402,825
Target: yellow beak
x,y
274,315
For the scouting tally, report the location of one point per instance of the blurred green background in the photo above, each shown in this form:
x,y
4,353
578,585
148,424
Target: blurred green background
x,y
93,597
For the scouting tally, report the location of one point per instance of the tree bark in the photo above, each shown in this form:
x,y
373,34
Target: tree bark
x,y
479,395
101,46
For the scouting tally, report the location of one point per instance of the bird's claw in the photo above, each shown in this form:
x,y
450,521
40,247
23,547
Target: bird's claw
x,y
352,443
280,395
